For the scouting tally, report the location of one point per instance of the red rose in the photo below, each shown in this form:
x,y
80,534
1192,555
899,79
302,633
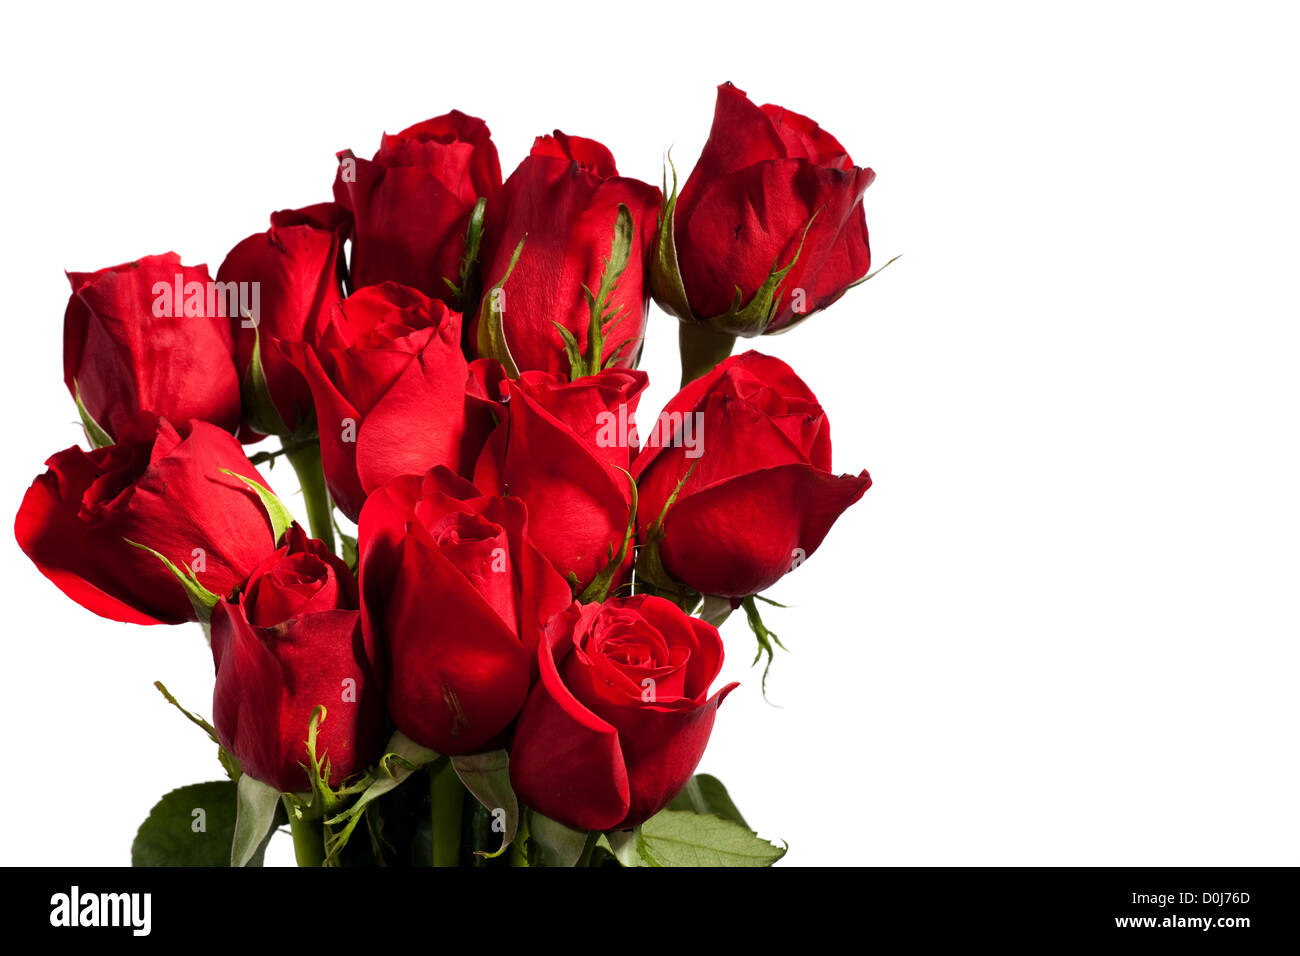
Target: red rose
x,y
295,268
761,495
412,202
150,336
290,642
162,489
764,175
457,593
564,448
564,198
388,378
621,715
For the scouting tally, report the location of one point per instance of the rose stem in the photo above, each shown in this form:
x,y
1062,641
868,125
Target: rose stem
x,y
308,838
320,512
446,800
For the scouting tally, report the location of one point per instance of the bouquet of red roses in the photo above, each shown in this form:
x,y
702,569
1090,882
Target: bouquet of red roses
x,y
512,660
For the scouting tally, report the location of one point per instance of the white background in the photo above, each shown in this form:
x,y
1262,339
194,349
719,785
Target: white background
x,y
1060,629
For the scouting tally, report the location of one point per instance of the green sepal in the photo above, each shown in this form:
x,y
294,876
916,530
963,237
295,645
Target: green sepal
x,y
487,777
280,517
665,274
254,818
852,285
464,290
650,568
557,844
229,762
259,409
766,639
95,434
753,317
201,599
601,320
401,758
491,330
598,589
624,846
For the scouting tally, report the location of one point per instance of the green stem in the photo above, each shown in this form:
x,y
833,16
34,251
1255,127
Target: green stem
x,y
446,800
702,349
588,848
320,510
308,838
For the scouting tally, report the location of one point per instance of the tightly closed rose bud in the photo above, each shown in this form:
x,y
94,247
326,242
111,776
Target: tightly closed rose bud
x,y
296,268
768,229
150,336
754,448
290,642
621,714
564,202
162,489
564,448
412,203
454,588
388,379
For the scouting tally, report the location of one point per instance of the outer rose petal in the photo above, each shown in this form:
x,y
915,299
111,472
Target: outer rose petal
x,y
755,526
565,761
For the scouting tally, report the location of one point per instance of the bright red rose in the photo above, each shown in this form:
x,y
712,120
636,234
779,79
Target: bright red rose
x,y
564,199
162,489
760,495
412,202
388,379
292,641
564,448
455,590
765,174
151,336
294,266
621,714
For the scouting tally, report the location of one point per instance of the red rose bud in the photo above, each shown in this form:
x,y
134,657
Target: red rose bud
x,y
295,266
151,336
768,228
290,642
564,448
388,379
741,458
621,714
581,224
455,590
162,489
412,203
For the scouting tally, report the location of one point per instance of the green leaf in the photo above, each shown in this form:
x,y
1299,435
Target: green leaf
x,y
192,826
624,846
706,795
487,776
255,817
681,838
96,435
280,517
201,599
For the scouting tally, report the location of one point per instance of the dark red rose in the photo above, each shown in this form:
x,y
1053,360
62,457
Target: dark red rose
x,y
455,590
162,489
412,202
388,379
565,199
564,448
290,642
294,267
764,172
761,496
621,714
150,336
